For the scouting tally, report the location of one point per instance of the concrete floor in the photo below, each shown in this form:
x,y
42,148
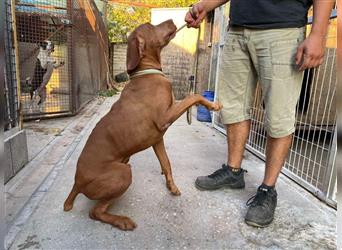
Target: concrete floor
x,y
194,220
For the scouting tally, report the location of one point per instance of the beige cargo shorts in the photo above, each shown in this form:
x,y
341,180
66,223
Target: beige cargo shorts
x,y
268,57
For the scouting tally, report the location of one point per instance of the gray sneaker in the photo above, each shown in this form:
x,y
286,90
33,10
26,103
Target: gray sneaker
x,y
261,207
223,177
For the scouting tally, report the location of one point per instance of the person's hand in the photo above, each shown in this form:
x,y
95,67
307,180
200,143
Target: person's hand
x,y
310,53
195,15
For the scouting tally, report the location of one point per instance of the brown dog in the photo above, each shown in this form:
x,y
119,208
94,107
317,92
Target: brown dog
x,y
138,120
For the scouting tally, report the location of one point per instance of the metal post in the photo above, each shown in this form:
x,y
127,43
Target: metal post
x,y
72,95
330,177
17,72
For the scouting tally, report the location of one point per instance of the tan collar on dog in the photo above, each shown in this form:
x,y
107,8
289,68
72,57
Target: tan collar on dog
x,y
146,72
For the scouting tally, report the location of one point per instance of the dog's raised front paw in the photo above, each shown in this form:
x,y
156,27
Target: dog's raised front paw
x,y
216,106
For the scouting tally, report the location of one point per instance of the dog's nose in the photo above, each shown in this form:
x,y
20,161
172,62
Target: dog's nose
x,y
171,24
170,21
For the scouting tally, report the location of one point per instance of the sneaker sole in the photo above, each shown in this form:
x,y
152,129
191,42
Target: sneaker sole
x,y
255,224
218,187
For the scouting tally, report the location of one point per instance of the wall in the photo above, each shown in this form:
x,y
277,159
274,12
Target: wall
x,y
204,56
179,56
16,154
118,58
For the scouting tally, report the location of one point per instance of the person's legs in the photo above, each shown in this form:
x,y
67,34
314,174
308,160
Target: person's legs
x,y
237,135
276,152
281,84
237,81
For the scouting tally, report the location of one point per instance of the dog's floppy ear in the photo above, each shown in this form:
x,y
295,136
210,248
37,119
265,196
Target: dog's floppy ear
x,y
135,51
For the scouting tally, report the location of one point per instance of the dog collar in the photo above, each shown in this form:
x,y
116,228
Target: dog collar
x,y
146,72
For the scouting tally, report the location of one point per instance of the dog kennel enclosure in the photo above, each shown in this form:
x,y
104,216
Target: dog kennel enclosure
x,y
80,50
78,32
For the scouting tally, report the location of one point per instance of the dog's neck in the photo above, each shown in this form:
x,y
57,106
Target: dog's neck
x,y
149,61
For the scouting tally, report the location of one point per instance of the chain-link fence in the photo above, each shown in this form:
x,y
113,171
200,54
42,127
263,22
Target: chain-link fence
x,y
63,49
311,160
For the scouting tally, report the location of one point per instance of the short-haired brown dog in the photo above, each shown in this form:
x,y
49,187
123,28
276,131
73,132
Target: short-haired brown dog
x,y
137,121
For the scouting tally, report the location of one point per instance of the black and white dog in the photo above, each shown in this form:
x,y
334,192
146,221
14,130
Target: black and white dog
x,y
45,64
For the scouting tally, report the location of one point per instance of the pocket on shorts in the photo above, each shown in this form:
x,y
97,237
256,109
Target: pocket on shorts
x,y
283,57
231,40
230,43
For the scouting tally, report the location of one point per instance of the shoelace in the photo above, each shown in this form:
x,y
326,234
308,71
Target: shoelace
x,y
257,199
222,172
218,173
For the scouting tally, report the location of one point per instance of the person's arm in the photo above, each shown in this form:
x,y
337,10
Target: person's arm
x,y
310,53
195,16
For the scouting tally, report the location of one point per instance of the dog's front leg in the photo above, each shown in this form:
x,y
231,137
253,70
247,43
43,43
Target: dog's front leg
x,y
177,109
160,151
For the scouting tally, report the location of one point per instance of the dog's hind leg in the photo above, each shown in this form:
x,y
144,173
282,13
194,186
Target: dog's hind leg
x,y
113,181
99,212
69,202
160,151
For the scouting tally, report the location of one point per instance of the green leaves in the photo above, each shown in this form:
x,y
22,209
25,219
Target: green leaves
x,y
122,19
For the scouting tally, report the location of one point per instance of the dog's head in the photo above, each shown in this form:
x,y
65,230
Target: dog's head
x,y
146,42
47,45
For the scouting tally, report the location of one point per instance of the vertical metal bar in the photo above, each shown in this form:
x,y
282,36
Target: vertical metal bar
x,y
299,117
8,67
222,31
330,174
17,72
72,92
325,108
315,122
309,123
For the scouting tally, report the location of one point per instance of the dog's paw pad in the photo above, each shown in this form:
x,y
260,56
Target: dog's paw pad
x,y
125,223
175,191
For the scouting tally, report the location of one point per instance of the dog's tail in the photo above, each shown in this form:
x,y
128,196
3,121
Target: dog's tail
x,y
69,202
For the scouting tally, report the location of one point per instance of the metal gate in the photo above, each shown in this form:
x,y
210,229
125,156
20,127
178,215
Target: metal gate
x,y
311,161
